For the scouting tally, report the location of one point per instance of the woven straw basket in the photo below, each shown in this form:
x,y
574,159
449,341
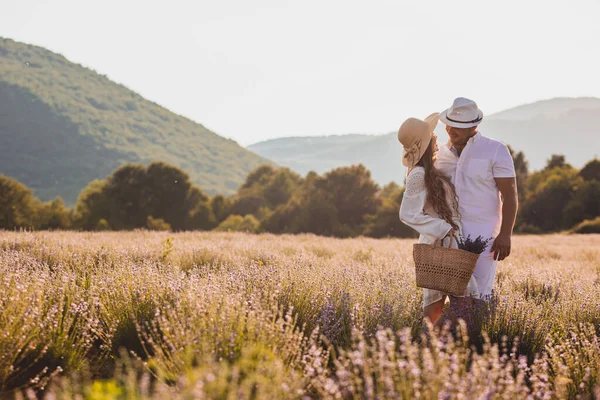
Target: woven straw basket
x,y
443,268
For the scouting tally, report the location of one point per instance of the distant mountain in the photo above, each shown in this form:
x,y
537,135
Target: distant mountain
x,y
318,153
569,126
555,108
63,125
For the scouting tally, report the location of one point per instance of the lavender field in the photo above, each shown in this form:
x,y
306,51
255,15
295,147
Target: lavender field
x,y
145,315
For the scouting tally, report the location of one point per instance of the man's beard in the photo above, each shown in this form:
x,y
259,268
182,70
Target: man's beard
x,y
459,142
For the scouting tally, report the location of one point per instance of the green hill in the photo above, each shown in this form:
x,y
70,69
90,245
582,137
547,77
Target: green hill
x,y
63,125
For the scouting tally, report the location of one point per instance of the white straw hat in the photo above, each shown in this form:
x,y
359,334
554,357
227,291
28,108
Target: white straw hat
x,y
463,114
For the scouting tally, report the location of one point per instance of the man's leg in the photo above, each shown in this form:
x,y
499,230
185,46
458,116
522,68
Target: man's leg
x,y
485,274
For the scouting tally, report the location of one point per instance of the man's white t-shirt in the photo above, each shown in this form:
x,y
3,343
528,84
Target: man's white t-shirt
x,y
473,174
479,201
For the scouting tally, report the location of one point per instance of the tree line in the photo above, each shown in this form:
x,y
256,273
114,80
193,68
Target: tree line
x,y
344,202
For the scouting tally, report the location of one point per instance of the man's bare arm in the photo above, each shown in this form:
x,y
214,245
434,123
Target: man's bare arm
x,y
502,244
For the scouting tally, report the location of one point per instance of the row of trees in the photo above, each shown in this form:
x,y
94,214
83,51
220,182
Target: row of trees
x,y
559,196
344,202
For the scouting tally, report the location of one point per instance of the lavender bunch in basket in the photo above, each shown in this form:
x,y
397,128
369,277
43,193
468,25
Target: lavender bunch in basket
x,y
476,246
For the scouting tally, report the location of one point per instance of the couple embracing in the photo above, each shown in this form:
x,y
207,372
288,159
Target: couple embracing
x,y
464,187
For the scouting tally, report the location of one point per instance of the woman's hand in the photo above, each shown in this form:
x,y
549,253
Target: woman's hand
x,y
455,230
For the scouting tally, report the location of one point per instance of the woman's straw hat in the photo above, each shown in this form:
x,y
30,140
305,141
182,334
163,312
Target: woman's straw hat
x,y
415,135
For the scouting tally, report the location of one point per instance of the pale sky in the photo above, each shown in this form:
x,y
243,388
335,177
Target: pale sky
x,y
252,70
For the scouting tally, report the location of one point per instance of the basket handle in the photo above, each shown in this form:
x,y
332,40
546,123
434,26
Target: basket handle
x,y
451,236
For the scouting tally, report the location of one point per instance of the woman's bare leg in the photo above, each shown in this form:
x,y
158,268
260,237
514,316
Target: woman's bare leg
x,y
434,310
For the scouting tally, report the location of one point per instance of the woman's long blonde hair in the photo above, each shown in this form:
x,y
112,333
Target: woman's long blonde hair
x,y
439,187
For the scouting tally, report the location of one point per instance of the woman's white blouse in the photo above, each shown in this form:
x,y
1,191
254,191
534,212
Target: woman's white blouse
x,y
419,215
412,209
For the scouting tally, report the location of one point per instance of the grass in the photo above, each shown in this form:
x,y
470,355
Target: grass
x,y
144,315
588,226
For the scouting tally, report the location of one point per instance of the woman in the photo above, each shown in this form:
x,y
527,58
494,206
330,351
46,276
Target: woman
x,y
430,204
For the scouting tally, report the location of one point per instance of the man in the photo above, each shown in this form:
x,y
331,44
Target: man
x,y
483,173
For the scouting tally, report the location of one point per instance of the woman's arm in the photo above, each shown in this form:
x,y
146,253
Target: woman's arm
x,y
411,209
